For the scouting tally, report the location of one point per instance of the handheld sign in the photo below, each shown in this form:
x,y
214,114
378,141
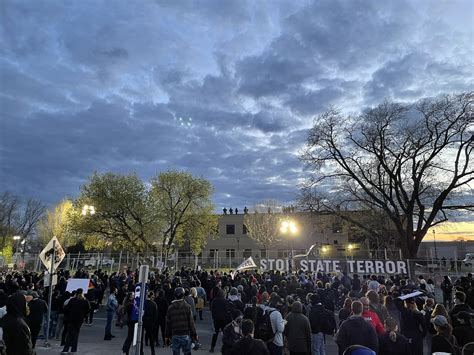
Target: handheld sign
x,y
46,254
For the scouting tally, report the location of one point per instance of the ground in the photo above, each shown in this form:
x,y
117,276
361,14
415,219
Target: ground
x,y
91,339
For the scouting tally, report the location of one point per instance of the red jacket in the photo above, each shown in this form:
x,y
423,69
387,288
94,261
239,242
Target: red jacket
x,y
374,319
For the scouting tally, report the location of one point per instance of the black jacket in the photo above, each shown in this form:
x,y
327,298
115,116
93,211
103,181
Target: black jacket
x,y
399,347
229,338
356,331
38,308
315,317
250,346
16,334
150,312
219,308
75,311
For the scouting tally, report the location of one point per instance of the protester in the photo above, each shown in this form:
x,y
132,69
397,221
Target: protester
x,y
162,310
391,342
356,331
16,333
413,324
247,345
220,310
447,288
129,321
75,312
317,318
232,333
111,309
459,306
443,341
180,324
298,331
371,317
275,346
463,331
150,313
38,309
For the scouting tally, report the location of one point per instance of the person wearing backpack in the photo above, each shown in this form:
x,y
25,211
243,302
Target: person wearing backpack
x,y
444,341
298,331
277,325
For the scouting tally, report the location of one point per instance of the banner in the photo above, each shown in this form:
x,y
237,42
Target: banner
x,y
332,265
247,264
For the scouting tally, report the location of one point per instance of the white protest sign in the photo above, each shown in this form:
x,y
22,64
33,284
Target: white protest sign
x,y
47,254
74,284
46,279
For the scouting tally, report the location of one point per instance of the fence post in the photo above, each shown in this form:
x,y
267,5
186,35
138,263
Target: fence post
x,y
78,259
120,262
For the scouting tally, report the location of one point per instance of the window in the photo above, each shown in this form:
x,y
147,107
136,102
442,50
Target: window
x,y
230,253
337,227
247,253
263,253
213,252
244,229
230,229
335,242
282,253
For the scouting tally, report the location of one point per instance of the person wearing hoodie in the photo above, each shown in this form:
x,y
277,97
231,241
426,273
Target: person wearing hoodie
x,y
180,324
298,330
235,299
38,309
356,331
232,333
16,333
392,343
247,344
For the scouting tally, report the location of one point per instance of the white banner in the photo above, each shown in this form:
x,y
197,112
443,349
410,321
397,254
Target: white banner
x,y
247,264
333,265
74,284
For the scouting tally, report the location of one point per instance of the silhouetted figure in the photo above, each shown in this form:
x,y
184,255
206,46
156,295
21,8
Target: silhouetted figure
x,y
246,211
231,211
225,210
236,211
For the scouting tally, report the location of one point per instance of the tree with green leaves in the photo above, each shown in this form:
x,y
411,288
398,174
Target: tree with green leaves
x,y
57,222
123,213
186,212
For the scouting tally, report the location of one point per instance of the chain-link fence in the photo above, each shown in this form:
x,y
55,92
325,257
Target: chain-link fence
x,y
114,262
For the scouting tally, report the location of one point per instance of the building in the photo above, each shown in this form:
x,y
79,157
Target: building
x,y
332,236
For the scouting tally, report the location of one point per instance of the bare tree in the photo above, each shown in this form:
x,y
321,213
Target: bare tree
x,y
263,225
411,161
17,218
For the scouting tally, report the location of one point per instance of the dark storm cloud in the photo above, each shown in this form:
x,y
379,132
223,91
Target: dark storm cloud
x,y
226,90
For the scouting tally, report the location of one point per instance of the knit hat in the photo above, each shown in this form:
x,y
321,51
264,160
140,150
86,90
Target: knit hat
x,y
440,321
234,291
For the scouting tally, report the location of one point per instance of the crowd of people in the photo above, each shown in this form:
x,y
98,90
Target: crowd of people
x,y
256,313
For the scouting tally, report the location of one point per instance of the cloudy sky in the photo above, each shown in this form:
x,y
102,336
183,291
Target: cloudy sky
x,y
223,89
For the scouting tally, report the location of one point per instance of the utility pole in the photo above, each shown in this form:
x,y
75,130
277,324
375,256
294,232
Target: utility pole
x,y
434,242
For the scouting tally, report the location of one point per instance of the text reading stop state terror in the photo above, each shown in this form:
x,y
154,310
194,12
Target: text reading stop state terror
x,y
352,266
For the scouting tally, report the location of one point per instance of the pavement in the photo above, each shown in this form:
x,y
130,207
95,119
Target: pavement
x,y
91,339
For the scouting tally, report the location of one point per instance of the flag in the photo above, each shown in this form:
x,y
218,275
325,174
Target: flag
x,y
247,264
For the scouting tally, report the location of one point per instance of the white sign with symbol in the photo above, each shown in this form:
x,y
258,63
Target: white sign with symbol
x,y
47,254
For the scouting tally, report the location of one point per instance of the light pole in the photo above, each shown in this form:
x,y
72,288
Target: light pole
x,y
16,238
289,227
434,242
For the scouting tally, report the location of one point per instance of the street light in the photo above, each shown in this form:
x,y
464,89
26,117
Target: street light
x,y
289,227
350,247
88,209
